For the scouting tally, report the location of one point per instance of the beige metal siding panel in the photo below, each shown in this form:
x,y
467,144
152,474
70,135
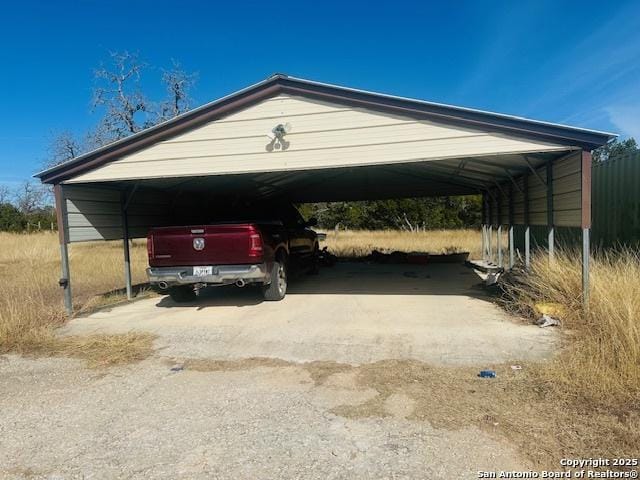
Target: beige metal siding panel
x,y
567,201
567,166
80,220
283,105
570,183
95,213
518,202
504,206
238,143
536,189
92,213
75,205
538,217
89,234
568,218
567,194
494,208
303,160
321,122
78,192
403,133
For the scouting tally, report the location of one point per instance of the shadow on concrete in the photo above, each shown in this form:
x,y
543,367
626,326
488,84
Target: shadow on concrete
x,y
354,279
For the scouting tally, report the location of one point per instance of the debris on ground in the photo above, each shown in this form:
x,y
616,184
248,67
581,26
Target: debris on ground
x,y
516,367
416,258
377,256
326,258
547,321
492,278
552,309
484,266
487,374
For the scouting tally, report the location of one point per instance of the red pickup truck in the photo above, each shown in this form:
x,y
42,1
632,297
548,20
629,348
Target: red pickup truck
x,y
244,246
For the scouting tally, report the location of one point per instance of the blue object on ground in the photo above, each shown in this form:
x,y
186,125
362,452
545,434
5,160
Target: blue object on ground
x,y
487,374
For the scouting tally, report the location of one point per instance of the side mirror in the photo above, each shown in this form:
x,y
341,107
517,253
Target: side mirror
x,y
312,222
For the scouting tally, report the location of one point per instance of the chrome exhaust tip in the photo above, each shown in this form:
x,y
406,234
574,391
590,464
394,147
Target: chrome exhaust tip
x,y
163,285
240,283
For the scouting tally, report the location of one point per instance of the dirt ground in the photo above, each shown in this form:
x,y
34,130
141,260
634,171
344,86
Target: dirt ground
x,y
333,382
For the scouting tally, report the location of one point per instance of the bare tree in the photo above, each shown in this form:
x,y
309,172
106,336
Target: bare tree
x,y
126,108
5,194
63,147
178,83
30,197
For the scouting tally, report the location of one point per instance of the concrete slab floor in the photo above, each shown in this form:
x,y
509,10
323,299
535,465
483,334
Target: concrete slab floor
x,y
352,313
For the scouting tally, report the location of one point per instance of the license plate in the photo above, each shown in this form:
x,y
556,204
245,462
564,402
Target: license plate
x,y
202,271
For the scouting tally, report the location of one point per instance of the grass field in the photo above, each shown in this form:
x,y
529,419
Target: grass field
x,y
31,306
350,243
586,402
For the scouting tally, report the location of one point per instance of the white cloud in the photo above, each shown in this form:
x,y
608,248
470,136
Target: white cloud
x,y
626,118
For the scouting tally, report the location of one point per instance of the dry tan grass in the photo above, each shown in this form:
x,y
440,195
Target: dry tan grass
x,y
601,364
359,243
31,301
104,350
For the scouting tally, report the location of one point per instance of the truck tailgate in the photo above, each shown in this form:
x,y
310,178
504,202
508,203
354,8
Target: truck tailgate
x,y
228,244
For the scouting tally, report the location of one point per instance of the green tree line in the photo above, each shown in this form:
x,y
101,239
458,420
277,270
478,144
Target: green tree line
x,y
410,214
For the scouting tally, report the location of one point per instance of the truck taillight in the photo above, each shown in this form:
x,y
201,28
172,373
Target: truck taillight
x,y
255,244
150,245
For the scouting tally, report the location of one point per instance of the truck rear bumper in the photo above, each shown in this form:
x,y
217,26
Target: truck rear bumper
x,y
222,275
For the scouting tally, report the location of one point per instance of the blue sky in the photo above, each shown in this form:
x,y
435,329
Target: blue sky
x,y
568,62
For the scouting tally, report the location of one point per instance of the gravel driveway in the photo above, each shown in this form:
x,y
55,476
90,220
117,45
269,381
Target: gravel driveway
x,y
62,420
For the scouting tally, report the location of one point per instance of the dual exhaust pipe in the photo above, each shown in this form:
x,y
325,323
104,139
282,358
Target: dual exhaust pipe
x,y
239,283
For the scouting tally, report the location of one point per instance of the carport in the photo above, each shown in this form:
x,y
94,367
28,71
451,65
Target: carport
x,y
307,141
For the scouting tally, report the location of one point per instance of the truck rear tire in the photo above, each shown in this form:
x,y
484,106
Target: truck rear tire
x,y
277,289
182,294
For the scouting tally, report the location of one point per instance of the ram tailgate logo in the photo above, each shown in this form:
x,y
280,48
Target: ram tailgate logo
x,y
198,243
